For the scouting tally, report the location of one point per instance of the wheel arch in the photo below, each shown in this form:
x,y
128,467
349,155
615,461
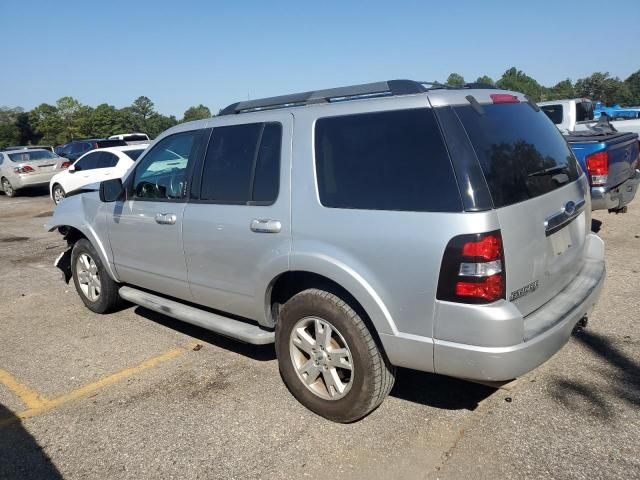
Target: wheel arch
x,y
351,288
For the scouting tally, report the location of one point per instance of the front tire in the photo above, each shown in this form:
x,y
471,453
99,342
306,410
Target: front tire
x,y
96,288
8,188
57,193
328,358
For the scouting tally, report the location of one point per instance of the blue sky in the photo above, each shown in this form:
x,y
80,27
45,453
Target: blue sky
x,y
189,52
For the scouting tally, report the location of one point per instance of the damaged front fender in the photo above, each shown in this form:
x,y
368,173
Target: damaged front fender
x,y
63,263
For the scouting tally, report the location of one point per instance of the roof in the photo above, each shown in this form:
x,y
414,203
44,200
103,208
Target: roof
x,y
25,150
354,92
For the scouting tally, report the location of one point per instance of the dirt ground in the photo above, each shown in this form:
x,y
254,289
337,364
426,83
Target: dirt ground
x,y
138,395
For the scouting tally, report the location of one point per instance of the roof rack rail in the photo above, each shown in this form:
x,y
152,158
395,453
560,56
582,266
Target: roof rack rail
x,y
354,92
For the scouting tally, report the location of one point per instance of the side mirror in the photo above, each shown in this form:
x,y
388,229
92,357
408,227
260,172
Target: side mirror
x,y
71,169
111,190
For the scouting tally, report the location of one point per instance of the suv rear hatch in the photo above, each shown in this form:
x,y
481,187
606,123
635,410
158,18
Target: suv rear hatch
x,y
538,192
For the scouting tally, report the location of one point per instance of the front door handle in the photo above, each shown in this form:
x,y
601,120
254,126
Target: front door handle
x,y
166,218
265,225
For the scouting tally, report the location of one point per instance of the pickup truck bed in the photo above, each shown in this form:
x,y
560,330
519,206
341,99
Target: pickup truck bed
x,y
621,150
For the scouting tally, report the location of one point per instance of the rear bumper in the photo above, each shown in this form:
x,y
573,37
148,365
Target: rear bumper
x,y
37,180
545,331
605,198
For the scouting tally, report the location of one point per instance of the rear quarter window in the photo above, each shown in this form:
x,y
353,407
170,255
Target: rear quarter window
x,y
522,154
394,160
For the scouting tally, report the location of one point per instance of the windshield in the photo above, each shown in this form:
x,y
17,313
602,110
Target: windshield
x,y
134,154
31,155
522,154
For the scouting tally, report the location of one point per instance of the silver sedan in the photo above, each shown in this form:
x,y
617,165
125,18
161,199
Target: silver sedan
x,y
28,168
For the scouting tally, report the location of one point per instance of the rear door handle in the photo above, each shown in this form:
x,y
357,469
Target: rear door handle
x,y
166,218
265,225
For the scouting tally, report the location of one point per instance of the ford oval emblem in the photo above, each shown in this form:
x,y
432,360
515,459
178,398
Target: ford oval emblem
x,y
569,208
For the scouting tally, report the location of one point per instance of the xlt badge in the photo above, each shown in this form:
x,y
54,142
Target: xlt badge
x,y
521,292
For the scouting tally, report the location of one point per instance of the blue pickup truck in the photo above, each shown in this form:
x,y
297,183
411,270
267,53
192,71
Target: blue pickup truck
x,y
610,160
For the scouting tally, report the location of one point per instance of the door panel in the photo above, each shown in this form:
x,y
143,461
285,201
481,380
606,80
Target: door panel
x,y
145,230
232,248
147,253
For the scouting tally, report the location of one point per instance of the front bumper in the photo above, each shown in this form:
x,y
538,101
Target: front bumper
x,y
604,198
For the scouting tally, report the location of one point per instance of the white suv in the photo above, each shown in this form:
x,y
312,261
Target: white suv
x,y
94,166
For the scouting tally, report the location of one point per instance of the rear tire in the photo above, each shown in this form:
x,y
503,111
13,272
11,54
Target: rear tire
x,y
96,288
328,358
8,188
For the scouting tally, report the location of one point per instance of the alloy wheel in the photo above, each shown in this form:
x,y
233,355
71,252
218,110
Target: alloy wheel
x,y
321,358
88,277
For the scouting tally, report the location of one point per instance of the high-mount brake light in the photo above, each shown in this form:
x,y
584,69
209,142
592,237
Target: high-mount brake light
x,y
598,168
472,269
504,98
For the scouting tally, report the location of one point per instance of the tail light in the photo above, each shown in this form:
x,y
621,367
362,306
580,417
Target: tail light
x,y
23,169
65,165
504,98
472,269
598,168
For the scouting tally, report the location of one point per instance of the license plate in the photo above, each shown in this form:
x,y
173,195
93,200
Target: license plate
x,y
561,241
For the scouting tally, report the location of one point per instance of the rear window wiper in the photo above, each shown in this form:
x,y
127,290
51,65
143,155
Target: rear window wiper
x,y
550,170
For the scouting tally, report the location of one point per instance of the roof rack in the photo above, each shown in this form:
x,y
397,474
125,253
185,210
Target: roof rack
x,y
353,92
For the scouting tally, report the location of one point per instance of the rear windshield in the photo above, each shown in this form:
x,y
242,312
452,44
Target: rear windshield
x,y
554,112
31,155
111,143
134,154
522,154
134,138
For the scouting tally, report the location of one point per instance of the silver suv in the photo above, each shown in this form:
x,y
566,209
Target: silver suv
x,y
362,228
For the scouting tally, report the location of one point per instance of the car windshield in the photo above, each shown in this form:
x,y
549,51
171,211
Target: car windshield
x,y
30,155
134,154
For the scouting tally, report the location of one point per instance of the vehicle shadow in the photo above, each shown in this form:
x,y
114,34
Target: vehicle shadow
x,y
411,385
438,391
261,353
28,192
21,457
621,375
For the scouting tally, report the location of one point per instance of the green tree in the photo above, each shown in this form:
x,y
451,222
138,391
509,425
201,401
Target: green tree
x,y
105,120
517,80
609,90
47,123
455,79
9,131
633,85
486,80
560,90
68,109
158,123
196,113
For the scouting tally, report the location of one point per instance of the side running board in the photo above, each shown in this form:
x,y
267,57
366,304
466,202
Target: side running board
x,y
243,331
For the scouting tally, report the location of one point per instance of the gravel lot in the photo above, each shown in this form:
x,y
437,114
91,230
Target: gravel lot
x,y
132,394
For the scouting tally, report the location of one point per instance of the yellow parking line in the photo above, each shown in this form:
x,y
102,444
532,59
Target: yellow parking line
x,y
37,405
29,397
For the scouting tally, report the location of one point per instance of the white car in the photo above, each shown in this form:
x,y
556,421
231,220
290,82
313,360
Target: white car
x,y
132,138
94,166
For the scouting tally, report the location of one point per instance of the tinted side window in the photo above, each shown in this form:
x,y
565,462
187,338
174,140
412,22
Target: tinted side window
x,y
88,162
267,177
107,160
392,160
242,164
554,112
521,153
162,173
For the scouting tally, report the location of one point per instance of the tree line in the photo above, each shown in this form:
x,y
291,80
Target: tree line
x,y
598,86
68,118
